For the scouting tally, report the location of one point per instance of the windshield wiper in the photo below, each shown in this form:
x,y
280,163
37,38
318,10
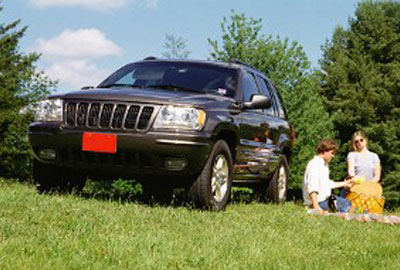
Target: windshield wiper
x,y
122,85
174,87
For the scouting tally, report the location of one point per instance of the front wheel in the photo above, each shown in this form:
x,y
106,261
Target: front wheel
x,y
212,188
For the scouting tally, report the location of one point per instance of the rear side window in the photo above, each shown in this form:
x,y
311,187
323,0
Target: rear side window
x,y
266,92
279,109
248,86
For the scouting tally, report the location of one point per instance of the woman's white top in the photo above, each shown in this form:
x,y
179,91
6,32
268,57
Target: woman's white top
x,y
364,164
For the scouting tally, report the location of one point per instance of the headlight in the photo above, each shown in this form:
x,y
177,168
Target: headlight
x,y
180,118
49,110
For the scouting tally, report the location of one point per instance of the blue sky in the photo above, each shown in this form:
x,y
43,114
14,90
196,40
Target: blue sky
x,y
82,41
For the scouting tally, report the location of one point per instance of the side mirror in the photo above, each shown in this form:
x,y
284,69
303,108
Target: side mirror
x,y
87,87
258,102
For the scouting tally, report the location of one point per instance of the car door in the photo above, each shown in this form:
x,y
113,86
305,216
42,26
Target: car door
x,y
273,117
255,136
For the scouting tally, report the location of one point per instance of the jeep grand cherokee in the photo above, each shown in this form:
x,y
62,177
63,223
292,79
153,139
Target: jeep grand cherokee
x,y
201,125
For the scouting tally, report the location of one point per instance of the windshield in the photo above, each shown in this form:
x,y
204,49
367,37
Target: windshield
x,y
199,77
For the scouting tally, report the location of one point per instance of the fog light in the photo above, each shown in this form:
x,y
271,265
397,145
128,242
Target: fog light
x,y
175,164
47,154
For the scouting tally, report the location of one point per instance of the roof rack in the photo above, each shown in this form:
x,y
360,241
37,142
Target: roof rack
x,y
150,58
235,61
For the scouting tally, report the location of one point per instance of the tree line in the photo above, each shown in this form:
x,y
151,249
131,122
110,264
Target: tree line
x,y
356,87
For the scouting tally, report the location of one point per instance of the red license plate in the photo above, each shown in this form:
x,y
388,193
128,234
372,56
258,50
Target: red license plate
x,y
99,142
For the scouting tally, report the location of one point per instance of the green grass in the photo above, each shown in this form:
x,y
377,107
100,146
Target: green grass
x,y
73,232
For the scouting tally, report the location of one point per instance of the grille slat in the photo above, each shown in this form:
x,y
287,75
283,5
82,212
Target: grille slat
x,y
106,114
81,117
118,116
130,120
132,117
94,115
71,110
145,117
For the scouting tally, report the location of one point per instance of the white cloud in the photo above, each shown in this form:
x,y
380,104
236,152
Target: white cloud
x,y
152,3
71,56
101,5
76,73
86,43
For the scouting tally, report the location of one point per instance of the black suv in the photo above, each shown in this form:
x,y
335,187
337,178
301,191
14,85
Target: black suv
x,y
201,125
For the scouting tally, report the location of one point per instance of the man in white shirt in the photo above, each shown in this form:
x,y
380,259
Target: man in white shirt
x,y
317,187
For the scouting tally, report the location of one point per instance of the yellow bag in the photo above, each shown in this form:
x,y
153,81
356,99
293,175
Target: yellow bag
x,y
366,204
366,197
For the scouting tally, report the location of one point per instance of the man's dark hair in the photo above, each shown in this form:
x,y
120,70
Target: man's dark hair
x,y
326,145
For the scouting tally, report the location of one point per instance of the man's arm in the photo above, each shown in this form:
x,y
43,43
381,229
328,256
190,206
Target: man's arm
x,y
346,183
314,200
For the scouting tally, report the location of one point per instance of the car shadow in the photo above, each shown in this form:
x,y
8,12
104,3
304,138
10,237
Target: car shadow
x,y
132,193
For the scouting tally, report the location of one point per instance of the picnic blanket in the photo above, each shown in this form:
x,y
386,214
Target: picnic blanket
x,y
371,217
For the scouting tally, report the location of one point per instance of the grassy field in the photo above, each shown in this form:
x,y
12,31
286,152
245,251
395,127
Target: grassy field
x,y
73,232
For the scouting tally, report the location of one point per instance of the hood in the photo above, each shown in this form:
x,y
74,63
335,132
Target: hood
x,y
145,95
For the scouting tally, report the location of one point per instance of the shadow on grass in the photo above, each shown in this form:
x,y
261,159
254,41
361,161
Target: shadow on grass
x,y
130,191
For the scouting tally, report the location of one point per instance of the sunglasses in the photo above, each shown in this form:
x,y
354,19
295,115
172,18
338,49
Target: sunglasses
x,y
360,140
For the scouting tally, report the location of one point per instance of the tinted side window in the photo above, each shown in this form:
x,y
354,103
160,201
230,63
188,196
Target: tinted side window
x,y
265,91
248,86
280,111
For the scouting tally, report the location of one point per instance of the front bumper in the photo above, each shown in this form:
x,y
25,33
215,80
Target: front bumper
x,y
137,153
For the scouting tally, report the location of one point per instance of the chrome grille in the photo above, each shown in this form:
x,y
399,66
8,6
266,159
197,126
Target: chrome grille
x,y
108,115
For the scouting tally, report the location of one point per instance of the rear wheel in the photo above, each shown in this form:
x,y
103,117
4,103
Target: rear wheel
x,y
212,188
278,185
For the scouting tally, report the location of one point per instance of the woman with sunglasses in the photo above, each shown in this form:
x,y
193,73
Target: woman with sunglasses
x,y
362,163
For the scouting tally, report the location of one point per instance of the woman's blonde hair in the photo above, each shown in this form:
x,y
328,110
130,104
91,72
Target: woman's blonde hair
x,y
358,134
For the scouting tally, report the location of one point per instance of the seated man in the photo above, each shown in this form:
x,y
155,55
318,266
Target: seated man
x,y
317,187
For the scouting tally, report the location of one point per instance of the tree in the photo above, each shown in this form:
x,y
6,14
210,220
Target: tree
x,y
175,47
361,84
288,67
20,86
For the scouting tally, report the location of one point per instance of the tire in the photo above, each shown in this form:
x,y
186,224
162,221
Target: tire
x,y
212,188
277,188
50,178
157,191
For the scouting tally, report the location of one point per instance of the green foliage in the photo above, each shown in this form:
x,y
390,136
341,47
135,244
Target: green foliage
x,y
70,232
175,47
361,84
120,189
20,86
288,67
